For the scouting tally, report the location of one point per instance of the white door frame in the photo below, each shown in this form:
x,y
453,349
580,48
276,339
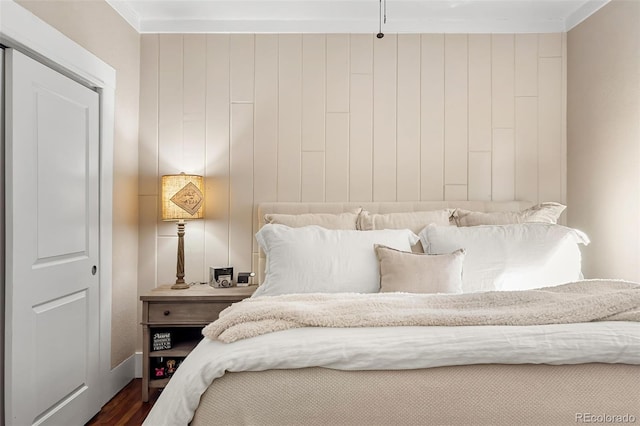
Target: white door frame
x,y
2,238
22,30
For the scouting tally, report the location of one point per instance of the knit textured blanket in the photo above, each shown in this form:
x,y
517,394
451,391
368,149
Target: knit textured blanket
x,y
582,301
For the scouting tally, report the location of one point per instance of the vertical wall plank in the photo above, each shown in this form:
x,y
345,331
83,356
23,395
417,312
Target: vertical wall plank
x,y
289,116
265,138
550,45
170,115
266,119
147,217
242,70
147,168
195,73
361,138
550,129
384,118
479,93
148,130
195,70
241,187
147,245
455,112
361,53
337,157
480,175
193,143
408,147
526,65
502,80
170,79
166,264
313,176
455,193
148,164
432,117
216,245
313,92
193,251
337,73
360,122
503,168
526,139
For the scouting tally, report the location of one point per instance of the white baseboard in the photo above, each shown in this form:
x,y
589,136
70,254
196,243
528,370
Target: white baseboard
x,y
138,369
120,376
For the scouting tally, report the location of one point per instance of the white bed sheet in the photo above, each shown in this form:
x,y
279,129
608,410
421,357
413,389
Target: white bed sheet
x,y
393,348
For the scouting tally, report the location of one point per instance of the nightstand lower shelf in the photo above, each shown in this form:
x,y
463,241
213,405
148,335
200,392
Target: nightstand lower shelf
x,y
182,349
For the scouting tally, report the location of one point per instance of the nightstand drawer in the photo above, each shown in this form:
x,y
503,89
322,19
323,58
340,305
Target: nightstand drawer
x,y
185,312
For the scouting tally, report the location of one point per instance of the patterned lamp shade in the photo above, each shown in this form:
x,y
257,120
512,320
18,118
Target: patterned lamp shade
x,y
182,197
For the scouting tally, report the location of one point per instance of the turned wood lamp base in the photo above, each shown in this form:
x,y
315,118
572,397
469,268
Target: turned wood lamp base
x,y
180,283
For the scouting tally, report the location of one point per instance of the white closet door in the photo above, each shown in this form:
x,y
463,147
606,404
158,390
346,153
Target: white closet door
x,y
52,310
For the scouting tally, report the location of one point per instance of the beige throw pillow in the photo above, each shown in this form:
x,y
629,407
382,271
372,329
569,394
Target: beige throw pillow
x,y
415,221
419,273
541,213
326,220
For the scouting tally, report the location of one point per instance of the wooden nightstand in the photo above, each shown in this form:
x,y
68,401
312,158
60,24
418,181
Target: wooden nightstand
x,y
182,314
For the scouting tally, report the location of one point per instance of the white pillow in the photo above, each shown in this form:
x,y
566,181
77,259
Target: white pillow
x,y
312,259
510,257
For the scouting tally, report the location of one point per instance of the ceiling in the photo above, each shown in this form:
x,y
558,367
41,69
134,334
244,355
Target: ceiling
x,y
354,16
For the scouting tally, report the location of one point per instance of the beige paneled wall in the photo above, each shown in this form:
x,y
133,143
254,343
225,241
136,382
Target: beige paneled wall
x,y
341,117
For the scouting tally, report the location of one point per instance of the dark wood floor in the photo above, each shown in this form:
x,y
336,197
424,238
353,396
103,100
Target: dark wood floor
x,y
126,408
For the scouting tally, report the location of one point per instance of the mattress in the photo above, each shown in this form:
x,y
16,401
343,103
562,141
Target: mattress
x,y
457,395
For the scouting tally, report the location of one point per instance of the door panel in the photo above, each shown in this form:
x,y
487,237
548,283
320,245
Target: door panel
x,y
52,333
48,317
62,222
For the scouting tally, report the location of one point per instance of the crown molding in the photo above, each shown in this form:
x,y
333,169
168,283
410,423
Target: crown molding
x,y
471,26
233,22
583,12
127,12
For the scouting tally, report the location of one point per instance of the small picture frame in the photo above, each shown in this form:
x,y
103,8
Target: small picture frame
x,y
161,341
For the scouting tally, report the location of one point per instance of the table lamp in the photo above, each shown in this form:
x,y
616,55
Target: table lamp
x,y
182,199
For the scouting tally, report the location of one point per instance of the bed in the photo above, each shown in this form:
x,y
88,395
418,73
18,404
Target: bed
x,y
508,373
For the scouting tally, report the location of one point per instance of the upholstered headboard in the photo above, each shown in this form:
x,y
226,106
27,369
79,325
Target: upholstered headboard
x,y
374,207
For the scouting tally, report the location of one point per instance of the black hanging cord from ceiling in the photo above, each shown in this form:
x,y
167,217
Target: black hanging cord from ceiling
x,y
380,17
